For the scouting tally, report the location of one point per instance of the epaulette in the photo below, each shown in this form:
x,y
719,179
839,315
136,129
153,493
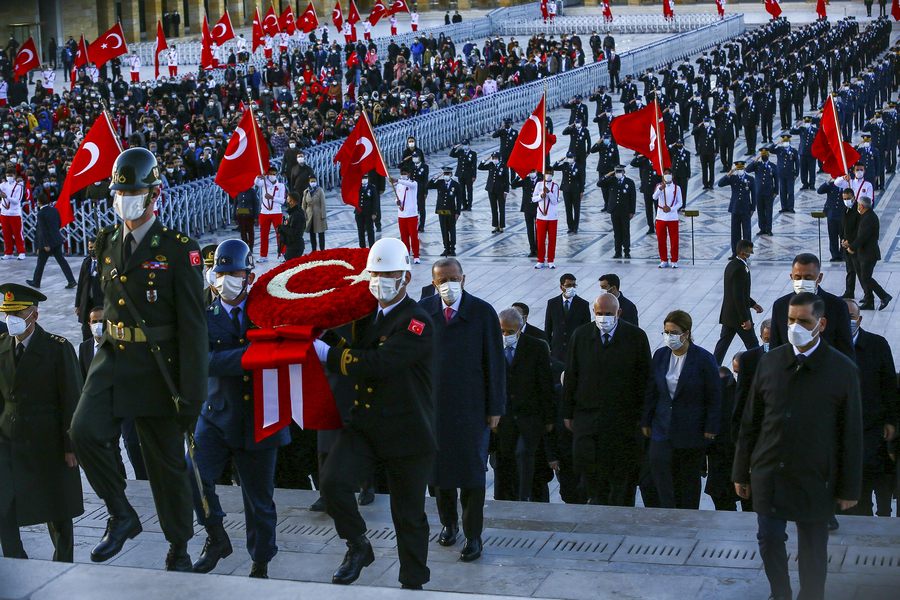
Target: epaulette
x,y
175,235
57,338
102,236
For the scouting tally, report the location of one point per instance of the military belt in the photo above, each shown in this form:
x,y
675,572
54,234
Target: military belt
x,y
119,332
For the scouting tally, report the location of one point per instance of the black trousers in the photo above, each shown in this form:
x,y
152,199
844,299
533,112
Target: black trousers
x,y
518,440
246,227
740,230
807,170
498,209
750,138
850,264
530,217
133,449
676,473
834,238
682,182
467,193
42,258
365,230
766,123
867,282
448,232
708,169
312,241
61,534
572,198
420,200
882,486
95,433
571,484
621,231
726,154
812,556
472,501
650,209
294,250
748,336
351,461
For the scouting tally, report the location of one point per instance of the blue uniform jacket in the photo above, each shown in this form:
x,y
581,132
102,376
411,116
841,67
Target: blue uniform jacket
x,y
788,162
229,404
766,178
834,204
743,194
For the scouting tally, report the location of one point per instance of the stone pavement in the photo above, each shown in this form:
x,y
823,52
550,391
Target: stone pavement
x,y
531,550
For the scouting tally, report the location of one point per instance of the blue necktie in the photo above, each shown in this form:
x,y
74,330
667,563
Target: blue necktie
x,y
509,350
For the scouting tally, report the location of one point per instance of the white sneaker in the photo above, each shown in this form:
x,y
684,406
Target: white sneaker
x,y
674,265
416,261
663,265
539,265
551,265
22,256
7,257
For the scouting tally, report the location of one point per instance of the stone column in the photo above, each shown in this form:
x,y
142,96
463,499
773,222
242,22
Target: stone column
x,y
153,12
236,11
104,18
196,10
592,3
216,9
131,21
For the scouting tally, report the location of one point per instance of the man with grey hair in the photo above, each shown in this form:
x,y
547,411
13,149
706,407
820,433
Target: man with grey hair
x,y
530,408
864,248
603,395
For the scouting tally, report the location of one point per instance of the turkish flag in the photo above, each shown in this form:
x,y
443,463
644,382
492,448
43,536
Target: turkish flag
x,y
353,14
308,21
160,46
353,60
92,162
545,12
837,156
533,144
773,7
337,15
246,157
258,34
607,12
223,30
720,7
287,20
643,132
108,46
81,57
668,13
895,10
358,155
270,23
207,60
398,6
378,10
820,9
26,59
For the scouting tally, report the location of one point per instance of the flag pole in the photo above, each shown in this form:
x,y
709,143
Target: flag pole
x,y
544,147
659,147
380,155
255,137
837,126
111,128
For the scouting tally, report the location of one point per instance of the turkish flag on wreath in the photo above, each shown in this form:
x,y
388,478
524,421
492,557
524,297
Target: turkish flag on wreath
x,y
108,46
246,157
26,59
643,132
358,155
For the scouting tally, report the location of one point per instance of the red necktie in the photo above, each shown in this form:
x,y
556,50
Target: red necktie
x,y
448,314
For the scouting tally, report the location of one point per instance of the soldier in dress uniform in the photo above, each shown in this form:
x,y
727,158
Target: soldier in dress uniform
x,y
577,110
208,253
622,199
681,168
447,207
225,431
706,144
365,212
528,208
649,180
572,187
40,381
834,212
603,113
607,159
742,203
727,128
497,187
788,169
419,174
807,133
579,142
766,175
870,157
152,283
466,162
389,357
507,135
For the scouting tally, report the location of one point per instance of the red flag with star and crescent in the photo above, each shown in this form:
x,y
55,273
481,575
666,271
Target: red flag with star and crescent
x,y
821,10
643,131
270,24
207,59
530,151
378,10
353,16
108,46
223,30
26,59
337,15
607,12
160,46
837,156
308,21
93,161
258,33
773,7
287,20
398,6
358,155
246,157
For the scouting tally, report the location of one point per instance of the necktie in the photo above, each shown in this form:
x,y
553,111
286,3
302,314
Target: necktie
x,y
236,318
566,305
801,359
126,249
605,340
509,354
20,350
378,317
448,314
94,268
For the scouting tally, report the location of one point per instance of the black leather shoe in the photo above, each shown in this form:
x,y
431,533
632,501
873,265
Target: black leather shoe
x,y
178,559
259,570
33,284
318,505
71,285
471,551
359,555
448,535
867,306
366,497
833,524
885,302
123,524
216,547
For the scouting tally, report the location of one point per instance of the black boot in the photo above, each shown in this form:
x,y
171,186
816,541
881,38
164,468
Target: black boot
x,y
123,524
367,496
259,570
359,555
178,558
217,547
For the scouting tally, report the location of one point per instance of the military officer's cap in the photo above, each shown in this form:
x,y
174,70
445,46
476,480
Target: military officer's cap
x,y
18,297
447,169
570,155
495,154
785,136
507,121
620,168
465,142
578,96
877,112
739,163
866,136
209,254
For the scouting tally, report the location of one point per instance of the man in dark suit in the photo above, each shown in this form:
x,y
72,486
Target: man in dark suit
x,y
49,242
466,161
606,376
849,227
737,302
610,283
622,206
806,275
528,328
880,414
87,293
564,314
530,408
867,253
747,363
392,419
470,379
799,450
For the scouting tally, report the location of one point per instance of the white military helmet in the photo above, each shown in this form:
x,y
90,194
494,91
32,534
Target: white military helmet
x,y
388,254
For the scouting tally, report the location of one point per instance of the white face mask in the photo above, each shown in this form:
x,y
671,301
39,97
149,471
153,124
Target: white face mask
x,y
16,325
799,336
10,179
860,174
739,172
605,323
673,340
620,176
805,285
510,340
384,288
450,291
230,287
854,328
569,292
668,178
411,144
210,278
848,203
97,330
129,207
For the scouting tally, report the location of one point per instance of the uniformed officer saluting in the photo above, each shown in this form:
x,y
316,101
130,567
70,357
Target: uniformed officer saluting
x,y
151,364
39,385
225,427
391,421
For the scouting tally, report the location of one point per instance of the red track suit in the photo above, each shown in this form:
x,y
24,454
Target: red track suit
x,y
11,215
271,201
546,219
408,214
667,222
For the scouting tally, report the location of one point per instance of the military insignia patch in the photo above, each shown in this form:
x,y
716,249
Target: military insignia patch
x,y
155,265
160,258
9,297
151,296
196,261
107,260
417,327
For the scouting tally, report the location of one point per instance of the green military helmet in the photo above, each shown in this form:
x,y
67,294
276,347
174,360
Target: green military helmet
x,y
135,169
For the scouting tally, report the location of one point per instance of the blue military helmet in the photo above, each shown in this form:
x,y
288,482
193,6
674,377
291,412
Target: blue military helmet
x,y
233,255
